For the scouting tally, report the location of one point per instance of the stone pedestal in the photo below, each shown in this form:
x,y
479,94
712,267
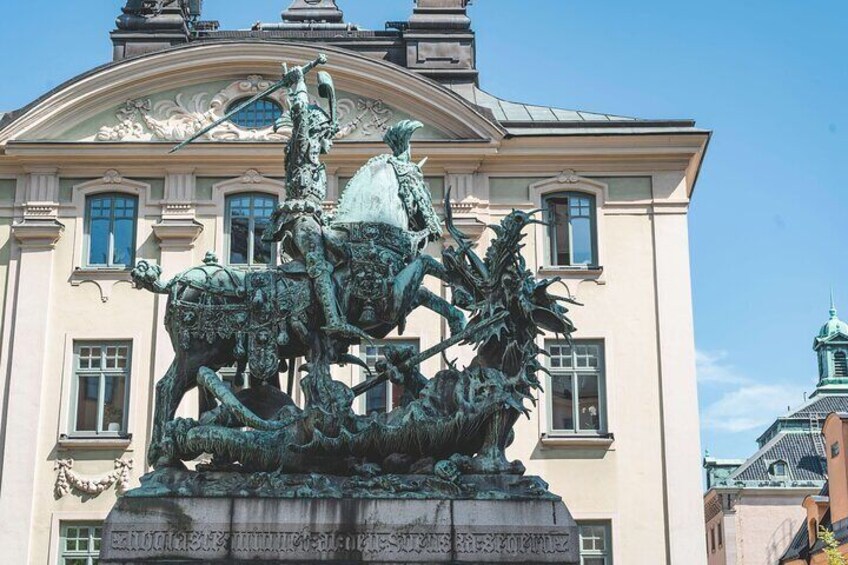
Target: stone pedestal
x,y
172,530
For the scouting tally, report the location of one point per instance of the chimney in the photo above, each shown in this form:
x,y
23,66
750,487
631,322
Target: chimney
x,y
313,11
440,42
152,25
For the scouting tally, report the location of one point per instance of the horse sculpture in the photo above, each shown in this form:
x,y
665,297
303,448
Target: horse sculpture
x,y
219,317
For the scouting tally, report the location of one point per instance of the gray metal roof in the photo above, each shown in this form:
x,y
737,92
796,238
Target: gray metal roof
x,y
531,120
506,111
821,406
803,453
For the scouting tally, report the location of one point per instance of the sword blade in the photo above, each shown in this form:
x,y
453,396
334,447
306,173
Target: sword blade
x,y
364,387
272,89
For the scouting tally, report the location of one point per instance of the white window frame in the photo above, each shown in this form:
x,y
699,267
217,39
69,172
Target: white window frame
x,y
110,246
65,556
569,181
102,373
568,196
574,373
606,554
251,182
251,242
379,343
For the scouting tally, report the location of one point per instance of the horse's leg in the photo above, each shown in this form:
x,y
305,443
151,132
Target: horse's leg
x,y
168,395
408,293
454,316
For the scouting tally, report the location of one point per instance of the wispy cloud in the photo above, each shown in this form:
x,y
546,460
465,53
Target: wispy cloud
x,y
741,403
750,407
713,368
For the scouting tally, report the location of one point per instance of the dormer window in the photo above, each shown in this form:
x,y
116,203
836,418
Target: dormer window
x,y
779,470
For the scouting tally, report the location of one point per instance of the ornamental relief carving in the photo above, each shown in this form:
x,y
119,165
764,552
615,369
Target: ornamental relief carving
x,y
67,480
179,118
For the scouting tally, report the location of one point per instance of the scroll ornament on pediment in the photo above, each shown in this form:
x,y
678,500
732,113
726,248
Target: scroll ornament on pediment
x,y
183,116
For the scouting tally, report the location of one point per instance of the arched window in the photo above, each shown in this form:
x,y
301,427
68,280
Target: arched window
x,y
110,221
840,364
573,238
247,217
259,115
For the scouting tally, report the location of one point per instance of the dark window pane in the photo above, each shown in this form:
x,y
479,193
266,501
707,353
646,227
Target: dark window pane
x,y
88,395
113,404
262,251
98,250
560,246
239,234
375,399
562,404
589,409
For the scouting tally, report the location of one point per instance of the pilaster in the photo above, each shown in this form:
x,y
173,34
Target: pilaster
x,y
678,390
36,236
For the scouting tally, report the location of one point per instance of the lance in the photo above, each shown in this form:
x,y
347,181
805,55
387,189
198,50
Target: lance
x,y
285,82
364,387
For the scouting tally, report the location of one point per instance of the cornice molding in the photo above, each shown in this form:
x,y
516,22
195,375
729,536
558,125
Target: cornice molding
x,y
38,234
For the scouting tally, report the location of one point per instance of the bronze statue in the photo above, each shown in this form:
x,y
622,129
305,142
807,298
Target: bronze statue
x,y
351,277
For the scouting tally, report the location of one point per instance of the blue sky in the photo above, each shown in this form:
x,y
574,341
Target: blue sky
x,y
769,213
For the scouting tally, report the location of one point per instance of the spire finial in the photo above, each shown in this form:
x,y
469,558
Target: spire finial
x,y
832,304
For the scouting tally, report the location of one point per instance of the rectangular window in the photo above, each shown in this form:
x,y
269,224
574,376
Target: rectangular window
x,y
571,216
101,388
247,217
385,397
720,536
110,229
595,543
577,391
80,543
712,539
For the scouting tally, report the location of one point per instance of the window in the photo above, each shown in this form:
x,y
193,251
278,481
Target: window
x,y
386,396
572,229
595,543
779,469
110,225
720,536
247,217
712,540
101,388
840,364
259,115
80,544
576,401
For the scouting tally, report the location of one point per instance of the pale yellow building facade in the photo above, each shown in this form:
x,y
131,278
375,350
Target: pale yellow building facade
x,y
626,461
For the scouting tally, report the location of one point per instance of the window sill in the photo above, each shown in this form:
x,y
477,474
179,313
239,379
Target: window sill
x,y
578,442
568,272
105,278
95,443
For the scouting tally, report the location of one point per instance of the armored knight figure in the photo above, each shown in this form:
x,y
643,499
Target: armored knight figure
x,y
298,222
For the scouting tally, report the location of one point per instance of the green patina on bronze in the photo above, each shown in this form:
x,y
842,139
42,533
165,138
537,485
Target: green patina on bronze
x,y
344,279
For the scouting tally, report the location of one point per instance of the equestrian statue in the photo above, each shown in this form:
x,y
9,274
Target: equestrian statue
x,y
343,279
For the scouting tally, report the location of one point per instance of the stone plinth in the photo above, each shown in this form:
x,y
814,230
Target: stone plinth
x,y
172,530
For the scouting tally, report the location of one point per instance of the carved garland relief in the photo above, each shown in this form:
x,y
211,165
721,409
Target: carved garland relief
x,y
178,119
67,480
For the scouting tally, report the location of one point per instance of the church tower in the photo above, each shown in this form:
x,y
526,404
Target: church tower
x,y
831,346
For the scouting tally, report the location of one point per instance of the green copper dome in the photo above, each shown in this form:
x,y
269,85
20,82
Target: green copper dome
x,y
834,326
